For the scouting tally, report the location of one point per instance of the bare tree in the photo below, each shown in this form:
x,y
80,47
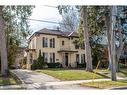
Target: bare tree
x,y
113,10
88,57
70,18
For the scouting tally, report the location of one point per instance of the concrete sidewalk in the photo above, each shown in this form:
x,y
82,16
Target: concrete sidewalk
x,y
9,87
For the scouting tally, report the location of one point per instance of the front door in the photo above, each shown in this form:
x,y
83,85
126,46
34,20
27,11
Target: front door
x,y
66,59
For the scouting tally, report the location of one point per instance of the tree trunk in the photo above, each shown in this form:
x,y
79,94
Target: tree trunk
x,y
88,57
3,49
119,50
107,18
113,48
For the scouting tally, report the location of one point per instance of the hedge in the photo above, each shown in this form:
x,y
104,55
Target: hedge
x,y
54,65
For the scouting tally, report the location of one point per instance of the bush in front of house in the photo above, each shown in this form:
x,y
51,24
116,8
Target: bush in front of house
x,y
81,65
39,63
122,65
54,65
34,66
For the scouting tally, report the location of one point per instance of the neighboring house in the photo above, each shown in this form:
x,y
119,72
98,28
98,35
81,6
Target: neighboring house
x,y
55,46
20,57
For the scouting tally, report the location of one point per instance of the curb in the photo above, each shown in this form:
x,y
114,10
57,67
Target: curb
x,y
20,80
118,88
11,87
23,85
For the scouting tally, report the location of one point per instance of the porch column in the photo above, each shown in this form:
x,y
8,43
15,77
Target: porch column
x,y
63,59
70,60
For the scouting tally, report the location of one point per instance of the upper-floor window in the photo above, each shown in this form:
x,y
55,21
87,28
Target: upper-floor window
x,y
45,42
52,43
82,46
62,43
76,46
75,42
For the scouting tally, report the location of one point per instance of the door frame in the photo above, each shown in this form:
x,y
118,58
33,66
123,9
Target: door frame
x,y
66,59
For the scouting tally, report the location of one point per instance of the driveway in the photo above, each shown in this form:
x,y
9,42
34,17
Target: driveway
x,y
35,80
30,77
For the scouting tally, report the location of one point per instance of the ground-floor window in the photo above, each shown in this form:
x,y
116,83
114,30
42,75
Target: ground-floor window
x,y
77,59
82,58
52,57
45,55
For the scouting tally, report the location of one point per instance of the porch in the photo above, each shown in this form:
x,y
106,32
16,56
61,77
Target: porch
x,y
68,58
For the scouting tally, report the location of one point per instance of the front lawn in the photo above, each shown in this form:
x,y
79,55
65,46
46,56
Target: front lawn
x,y
105,84
72,74
122,72
67,74
7,81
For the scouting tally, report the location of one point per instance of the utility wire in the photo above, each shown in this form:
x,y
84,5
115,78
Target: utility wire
x,y
50,6
47,21
44,21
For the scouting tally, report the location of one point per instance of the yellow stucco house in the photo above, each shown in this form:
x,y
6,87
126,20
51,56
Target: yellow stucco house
x,y
55,46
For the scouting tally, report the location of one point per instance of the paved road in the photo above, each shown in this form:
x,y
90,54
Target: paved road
x,y
35,80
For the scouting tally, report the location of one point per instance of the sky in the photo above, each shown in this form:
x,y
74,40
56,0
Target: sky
x,y
44,13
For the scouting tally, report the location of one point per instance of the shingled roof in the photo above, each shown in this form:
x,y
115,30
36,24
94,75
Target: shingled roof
x,y
57,32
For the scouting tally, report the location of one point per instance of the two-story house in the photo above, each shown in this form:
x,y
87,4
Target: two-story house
x,y
55,46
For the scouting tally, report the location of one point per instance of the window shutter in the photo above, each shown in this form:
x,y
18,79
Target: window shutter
x,y
53,42
54,57
43,39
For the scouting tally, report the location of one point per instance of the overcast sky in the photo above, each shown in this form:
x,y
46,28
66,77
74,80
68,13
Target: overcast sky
x,y
44,13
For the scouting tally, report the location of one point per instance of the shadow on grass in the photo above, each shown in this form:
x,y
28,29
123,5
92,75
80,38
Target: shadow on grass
x,y
124,81
105,76
59,69
123,72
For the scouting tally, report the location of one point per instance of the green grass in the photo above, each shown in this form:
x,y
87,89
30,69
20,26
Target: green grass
x,y
71,74
106,84
7,81
67,74
122,72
